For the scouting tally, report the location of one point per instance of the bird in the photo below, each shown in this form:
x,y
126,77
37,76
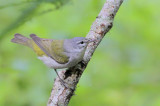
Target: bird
x,y
56,54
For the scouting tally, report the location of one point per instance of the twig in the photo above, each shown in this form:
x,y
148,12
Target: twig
x,y
60,96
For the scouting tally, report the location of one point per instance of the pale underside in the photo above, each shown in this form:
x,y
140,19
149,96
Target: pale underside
x,y
73,60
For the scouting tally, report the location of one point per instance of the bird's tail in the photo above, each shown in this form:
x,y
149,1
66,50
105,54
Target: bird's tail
x,y
20,39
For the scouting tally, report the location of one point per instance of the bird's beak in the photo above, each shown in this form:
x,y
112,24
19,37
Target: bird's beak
x,y
90,40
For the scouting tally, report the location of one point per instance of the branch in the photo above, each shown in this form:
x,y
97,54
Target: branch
x,y
60,96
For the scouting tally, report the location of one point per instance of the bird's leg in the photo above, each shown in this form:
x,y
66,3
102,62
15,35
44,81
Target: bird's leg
x,y
60,78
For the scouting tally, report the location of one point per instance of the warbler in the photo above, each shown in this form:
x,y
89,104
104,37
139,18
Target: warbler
x,y
56,54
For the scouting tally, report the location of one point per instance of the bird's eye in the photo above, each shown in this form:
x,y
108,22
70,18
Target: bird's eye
x,y
81,42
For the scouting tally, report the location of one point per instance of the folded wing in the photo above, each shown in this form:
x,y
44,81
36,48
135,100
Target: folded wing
x,y
52,48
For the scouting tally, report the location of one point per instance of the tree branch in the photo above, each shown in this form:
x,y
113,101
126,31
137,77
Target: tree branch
x,y
60,96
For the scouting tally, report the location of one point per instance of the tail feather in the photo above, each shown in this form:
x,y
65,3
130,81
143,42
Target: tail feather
x,y
20,39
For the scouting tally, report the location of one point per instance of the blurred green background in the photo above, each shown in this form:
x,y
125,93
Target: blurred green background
x,y
124,70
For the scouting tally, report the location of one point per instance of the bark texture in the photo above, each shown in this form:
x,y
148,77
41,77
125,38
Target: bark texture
x,y
60,96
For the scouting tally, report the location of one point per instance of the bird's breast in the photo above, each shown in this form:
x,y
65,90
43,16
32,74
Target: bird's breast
x,y
76,57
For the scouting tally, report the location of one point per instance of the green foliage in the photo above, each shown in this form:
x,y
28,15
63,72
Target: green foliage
x,y
28,13
124,70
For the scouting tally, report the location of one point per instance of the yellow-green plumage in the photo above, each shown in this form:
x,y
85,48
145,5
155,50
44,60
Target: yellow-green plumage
x,y
57,51
52,47
36,49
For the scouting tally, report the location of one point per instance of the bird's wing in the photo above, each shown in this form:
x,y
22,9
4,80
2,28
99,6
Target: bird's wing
x,y
50,48
57,51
